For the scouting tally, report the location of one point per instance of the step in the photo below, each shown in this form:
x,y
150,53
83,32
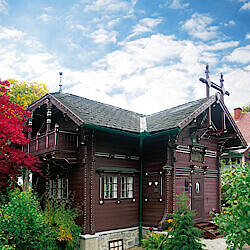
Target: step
x,y
211,227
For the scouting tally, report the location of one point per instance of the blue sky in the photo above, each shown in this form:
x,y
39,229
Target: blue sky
x,y
140,55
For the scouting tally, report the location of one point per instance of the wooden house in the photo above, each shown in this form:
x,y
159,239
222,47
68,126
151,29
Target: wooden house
x,y
124,168
235,155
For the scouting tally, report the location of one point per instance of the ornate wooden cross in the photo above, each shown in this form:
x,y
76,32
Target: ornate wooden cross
x,y
209,84
221,90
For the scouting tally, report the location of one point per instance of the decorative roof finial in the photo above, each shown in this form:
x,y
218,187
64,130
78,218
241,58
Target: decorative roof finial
x,y
60,85
207,71
221,80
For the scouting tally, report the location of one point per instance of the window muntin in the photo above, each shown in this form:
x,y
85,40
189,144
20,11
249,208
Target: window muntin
x,y
110,187
126,187
58,188
116,245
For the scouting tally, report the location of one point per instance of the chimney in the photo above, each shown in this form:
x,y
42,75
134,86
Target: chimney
x,y
237,113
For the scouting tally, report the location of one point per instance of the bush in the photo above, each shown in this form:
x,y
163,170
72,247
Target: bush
x,y
183,234
234,219
22,224
155,241
62,217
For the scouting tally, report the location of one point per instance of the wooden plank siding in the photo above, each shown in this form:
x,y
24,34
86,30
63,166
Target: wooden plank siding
x,y
154,158
111,214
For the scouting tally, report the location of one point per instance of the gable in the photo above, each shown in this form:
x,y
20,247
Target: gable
x,y
99,115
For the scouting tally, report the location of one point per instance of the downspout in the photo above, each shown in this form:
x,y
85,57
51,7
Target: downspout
x,y
143,135
140,191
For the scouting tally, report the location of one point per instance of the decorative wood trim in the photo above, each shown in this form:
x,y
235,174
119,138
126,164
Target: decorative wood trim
x,y
183,149
197,112
210,153
59,105
92,183
187,150
83,161
117,156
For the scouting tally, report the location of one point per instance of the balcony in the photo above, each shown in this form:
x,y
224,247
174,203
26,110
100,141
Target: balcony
x,y
62,144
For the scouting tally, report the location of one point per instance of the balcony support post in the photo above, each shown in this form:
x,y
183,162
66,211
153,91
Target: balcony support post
x,y
48,122
56,131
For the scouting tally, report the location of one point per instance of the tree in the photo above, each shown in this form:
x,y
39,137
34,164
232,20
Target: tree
x,y
246,108
234,219
25,93
22,223
183,234
12,136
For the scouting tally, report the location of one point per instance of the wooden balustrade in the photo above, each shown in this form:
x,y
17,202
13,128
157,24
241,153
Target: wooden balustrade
x,y
54,140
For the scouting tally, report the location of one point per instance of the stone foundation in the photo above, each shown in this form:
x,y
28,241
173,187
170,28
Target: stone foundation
x,y
100,241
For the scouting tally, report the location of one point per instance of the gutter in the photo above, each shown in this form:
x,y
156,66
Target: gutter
x,y
110,130
142,136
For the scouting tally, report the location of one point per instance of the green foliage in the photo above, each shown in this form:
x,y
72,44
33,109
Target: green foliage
x,y
155,241
235,217
25,93
183,234
22,225
62,217
246,108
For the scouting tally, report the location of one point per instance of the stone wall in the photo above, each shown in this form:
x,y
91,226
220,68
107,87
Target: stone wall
x,y
100,241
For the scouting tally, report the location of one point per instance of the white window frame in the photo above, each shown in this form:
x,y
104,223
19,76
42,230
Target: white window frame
x,y
110,189
127,187
58,188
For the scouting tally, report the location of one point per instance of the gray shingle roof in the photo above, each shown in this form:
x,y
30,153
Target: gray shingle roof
x,y
97,113
170,118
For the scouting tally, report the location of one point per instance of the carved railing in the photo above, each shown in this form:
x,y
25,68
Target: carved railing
x,y
54,140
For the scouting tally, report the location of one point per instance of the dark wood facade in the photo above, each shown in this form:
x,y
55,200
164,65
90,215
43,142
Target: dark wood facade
x,y
185,158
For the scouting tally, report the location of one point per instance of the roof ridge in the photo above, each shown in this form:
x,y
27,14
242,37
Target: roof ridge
x,y
176,106
139,114
110,105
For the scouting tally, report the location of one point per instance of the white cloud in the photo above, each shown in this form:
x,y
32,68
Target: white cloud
x,y
10,34
199,27
222,45
177,4
107,5
103,36
237,83
149,79
3,7
245,6
247,36
145,25
240,55
45,18
230,23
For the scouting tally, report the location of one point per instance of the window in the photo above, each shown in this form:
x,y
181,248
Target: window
x,y
58,188
232,160
197,154
115,187
116,245
110,187
126,187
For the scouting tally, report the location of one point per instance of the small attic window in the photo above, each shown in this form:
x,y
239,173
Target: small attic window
x,y
197,154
